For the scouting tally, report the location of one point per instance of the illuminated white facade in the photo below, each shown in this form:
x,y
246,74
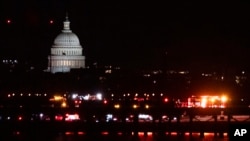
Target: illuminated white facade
x,y
66,53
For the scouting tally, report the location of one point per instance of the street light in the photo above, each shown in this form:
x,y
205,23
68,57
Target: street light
x,y
117,106
135,106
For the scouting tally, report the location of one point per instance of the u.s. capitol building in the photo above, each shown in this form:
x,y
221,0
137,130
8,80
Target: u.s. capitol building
x,y
66,52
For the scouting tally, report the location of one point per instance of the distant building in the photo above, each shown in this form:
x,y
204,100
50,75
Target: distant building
x,y
66,53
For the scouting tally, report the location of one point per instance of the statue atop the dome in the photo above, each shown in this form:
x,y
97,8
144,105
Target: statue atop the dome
x,y
67,16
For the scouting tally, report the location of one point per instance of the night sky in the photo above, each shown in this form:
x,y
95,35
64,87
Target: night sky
x,y
131,34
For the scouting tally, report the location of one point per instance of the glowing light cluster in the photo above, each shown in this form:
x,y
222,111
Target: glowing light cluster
x,y
57,98
117,106
72,117
145,117
208,101
87,97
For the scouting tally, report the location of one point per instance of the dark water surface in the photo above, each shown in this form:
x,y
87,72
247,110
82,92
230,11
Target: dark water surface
x,y
77,137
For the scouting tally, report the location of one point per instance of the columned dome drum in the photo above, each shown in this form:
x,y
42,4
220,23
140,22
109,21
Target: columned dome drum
x,y
66,52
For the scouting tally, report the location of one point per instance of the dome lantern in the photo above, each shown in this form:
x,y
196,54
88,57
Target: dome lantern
x,y
66,24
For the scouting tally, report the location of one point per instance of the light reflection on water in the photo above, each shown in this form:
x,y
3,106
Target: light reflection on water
x,y
69,136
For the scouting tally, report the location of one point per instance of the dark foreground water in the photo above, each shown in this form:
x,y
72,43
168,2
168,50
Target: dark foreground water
x,y
106,137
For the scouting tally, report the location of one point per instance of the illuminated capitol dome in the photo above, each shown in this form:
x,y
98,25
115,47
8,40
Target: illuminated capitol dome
x,y
66,53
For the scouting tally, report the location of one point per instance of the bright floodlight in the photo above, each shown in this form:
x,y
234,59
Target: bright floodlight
x,y
74,96
109,117
204,102
58,98
223,99
86,97
41,115
145,117
99,96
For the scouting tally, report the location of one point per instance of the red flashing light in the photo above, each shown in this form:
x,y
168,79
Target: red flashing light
x,y
105,101
8,21
80,133
165,99
58,117
69,133
105,133
20,118
51,21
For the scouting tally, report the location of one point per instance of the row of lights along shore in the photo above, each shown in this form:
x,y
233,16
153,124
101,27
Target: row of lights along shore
x,y
136,94
29,94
